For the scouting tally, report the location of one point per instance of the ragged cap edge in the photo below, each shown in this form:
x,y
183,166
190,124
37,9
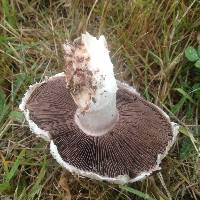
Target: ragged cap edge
x,y
33,127
175,129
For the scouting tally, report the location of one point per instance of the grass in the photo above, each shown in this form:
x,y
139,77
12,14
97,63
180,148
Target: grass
x,y
147,40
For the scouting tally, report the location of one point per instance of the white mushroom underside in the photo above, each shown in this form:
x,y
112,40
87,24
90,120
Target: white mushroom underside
x,y
122,179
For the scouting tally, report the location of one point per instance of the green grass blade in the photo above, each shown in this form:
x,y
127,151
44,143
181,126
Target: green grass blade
x,y
183,93
20,80
15,166
2,99
6,7
4,186
186,149
22,195
4,108
177,107
156,58
9,13
37,187
137,192
4,39
16,116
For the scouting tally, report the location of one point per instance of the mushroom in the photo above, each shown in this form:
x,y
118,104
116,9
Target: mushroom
x,y
97,126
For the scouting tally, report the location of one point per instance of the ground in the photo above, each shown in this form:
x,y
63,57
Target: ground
x,y
147,41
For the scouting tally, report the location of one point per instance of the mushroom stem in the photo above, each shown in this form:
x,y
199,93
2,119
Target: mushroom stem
x,y
91,81
98,122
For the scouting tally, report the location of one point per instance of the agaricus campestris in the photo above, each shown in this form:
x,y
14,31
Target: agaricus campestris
x,y
98,127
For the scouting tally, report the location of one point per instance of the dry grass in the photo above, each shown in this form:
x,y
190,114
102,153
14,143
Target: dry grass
x,y
147,39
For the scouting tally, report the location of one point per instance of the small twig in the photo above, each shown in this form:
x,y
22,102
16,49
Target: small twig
x,y
88,18
164,185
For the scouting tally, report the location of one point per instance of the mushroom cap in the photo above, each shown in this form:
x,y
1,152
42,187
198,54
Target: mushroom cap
x,y
132,150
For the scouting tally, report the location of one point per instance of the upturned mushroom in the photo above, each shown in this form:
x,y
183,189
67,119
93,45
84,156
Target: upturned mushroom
x,y
97,126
